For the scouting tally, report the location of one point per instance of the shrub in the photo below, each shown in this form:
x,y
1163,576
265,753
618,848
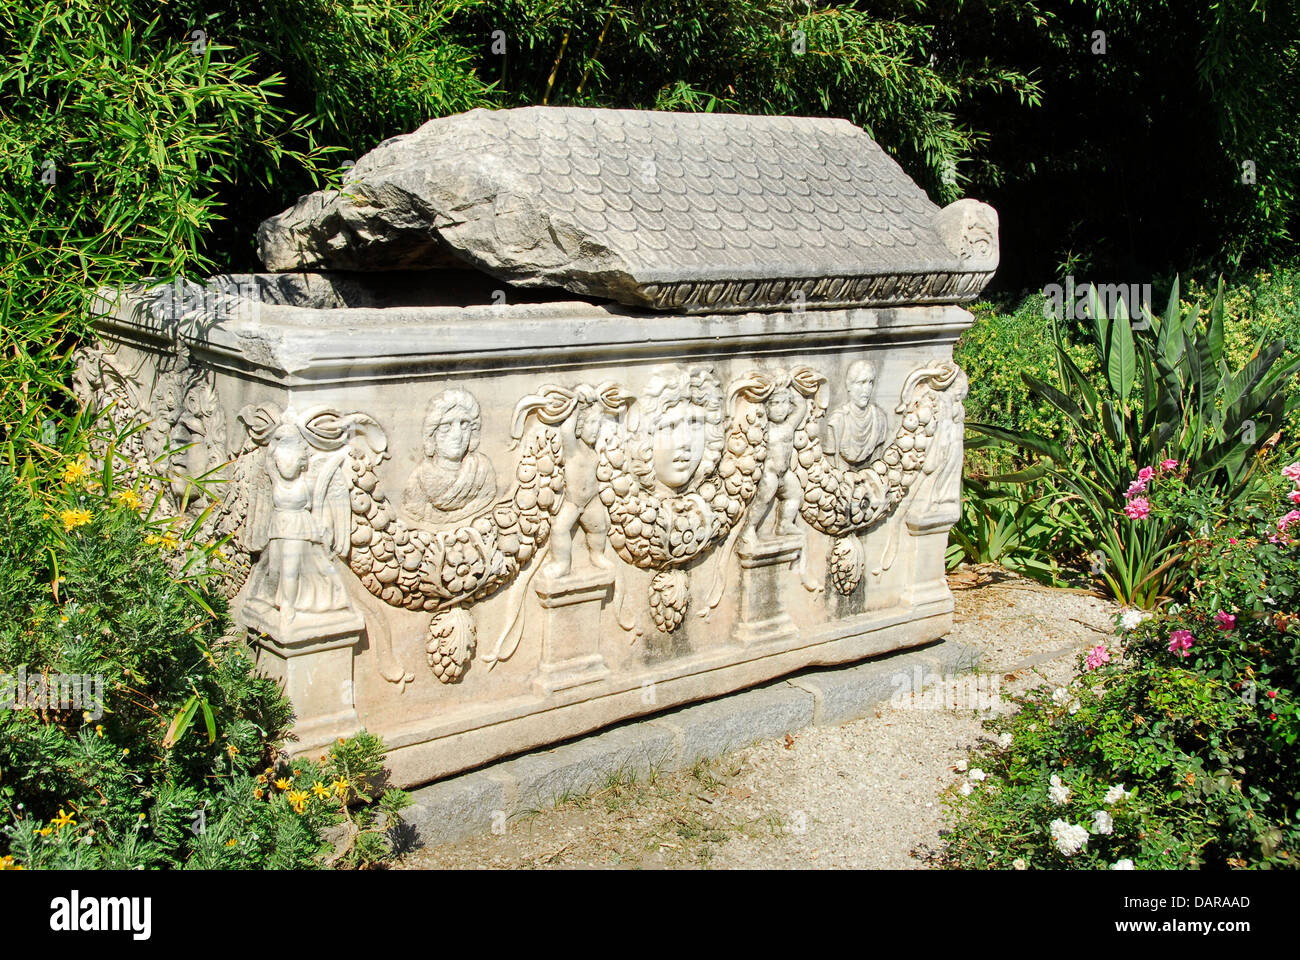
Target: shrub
x,y
1162,391
169,756
1012,526
1181,732
995,351
1261,309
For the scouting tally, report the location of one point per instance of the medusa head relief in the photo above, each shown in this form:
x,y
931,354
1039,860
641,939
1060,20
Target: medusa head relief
x,y
682,429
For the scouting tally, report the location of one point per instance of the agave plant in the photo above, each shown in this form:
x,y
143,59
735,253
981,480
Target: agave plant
x,y
1010,525
1163,392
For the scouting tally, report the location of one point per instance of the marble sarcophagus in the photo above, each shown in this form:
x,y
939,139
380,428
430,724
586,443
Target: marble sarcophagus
x,y
553,417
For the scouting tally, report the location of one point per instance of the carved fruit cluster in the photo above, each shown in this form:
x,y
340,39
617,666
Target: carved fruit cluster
x,y
669,596
452,639
654,532
847,562
433,570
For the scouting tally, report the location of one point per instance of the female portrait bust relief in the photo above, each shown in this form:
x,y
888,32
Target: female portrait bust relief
x,y
453,482
856,430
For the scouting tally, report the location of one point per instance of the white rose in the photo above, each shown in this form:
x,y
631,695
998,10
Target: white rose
x,y
1117,793
1058,792
1069,838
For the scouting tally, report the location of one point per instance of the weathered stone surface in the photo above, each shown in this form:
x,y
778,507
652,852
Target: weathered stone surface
x,y
539,519
687,212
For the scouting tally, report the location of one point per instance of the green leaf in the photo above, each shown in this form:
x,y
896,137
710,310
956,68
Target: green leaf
x,y
1121,357
209,720
180,723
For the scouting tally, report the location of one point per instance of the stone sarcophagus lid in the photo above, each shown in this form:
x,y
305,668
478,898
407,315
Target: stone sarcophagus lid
x,y
548,418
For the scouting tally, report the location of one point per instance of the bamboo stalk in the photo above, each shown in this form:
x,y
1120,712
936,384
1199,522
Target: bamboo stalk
x,y
595,53
550,81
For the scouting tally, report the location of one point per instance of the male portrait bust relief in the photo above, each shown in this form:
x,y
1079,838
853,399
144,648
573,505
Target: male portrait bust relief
x,y
856,430
453,482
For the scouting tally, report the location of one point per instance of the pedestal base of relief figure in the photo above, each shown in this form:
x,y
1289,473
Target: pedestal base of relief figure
x,y
571,611
311,658
764,565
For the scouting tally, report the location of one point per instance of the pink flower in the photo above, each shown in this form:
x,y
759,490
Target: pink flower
x,y
1137,508
1232,540
1168,464
1294,496
1146,473
1180,641
1097,656
1134,488
1292,472
1287,520
1226,621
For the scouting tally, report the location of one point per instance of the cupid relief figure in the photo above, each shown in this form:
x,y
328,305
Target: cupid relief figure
x,y
785,408
589,419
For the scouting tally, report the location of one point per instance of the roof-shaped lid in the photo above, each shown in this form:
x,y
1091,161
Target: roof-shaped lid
x,y
673,211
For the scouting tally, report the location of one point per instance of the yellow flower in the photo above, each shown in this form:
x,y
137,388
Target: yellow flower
x,y
7,863
152,539
129,498
320,790
170,543
283,783
99,729
74,518
63,820
232,750
232,842
75,471
45,831
340,786
257,793
299,800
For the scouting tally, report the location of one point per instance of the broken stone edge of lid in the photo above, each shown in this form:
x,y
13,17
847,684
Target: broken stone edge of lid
x,y
491,188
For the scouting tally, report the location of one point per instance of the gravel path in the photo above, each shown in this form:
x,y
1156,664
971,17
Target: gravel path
x,y
867,794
